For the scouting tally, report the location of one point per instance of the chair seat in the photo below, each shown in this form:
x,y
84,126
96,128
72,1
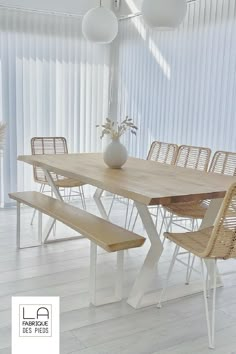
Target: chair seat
x,y
195,242
193,210
69,183
66,183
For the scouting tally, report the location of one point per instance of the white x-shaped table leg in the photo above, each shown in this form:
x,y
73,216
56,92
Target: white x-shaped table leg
x,y
137,298
148,268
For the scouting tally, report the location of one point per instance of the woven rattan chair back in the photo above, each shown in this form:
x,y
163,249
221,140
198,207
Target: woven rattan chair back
x,y
193,157
162,152
222,243
224,162
47,146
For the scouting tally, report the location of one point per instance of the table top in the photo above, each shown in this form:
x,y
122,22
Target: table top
x,y
147,182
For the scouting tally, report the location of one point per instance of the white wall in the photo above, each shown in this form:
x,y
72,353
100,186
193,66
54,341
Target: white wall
x,y
180,86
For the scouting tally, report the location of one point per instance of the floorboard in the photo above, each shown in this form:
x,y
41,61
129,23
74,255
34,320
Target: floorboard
x,y
62,269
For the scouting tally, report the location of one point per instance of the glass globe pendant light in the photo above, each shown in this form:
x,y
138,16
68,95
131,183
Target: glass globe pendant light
x,y
164,14
100,25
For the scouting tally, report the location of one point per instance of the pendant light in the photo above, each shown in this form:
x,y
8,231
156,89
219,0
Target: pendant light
x,y
100,25
164,14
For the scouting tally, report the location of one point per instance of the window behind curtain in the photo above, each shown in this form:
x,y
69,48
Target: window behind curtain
x,y
180,86
52,82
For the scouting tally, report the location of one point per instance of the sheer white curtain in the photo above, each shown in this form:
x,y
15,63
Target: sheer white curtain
x,y
180,86
52,82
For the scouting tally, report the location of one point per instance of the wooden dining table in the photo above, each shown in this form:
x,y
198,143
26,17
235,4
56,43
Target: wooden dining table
x,y
146,183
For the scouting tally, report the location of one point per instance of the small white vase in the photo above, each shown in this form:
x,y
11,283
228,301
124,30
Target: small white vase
x,y
115,154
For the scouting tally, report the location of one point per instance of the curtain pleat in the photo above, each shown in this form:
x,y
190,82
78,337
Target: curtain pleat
x,y
180,86
52,83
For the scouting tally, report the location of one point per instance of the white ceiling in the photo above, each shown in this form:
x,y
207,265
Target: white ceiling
x,y
78,7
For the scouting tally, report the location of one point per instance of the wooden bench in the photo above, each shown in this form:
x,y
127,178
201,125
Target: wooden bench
x,y
100,232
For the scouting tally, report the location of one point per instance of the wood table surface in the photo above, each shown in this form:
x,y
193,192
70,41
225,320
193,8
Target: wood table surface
x,y
146,182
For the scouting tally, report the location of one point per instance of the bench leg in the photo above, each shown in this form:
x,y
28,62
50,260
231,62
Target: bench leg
x,y
18,225
18,228
119,275
92,278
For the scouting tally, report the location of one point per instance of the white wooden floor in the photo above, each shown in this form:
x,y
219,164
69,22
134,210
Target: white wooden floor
x,y
61,269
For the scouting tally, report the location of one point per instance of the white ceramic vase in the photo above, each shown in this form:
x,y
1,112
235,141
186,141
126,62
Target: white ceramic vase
x,y
115,154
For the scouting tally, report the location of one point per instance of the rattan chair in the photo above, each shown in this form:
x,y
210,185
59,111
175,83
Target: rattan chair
x,y
53,145
213,243
162,152
223,162
194,157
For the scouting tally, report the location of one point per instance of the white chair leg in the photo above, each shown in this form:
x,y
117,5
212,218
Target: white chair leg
x,y
92,276
18,222
214,305
210,322
131,216
40,227
190,268
82,196
126,214
189,271
119,275
163,221
168,228
156,222
135,221
111,206
168,274
54,229
208,284
69,195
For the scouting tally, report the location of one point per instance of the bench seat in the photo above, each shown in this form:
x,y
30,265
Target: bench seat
x,y
108,236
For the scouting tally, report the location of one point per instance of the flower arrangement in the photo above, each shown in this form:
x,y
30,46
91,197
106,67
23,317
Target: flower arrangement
x,y
116,130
